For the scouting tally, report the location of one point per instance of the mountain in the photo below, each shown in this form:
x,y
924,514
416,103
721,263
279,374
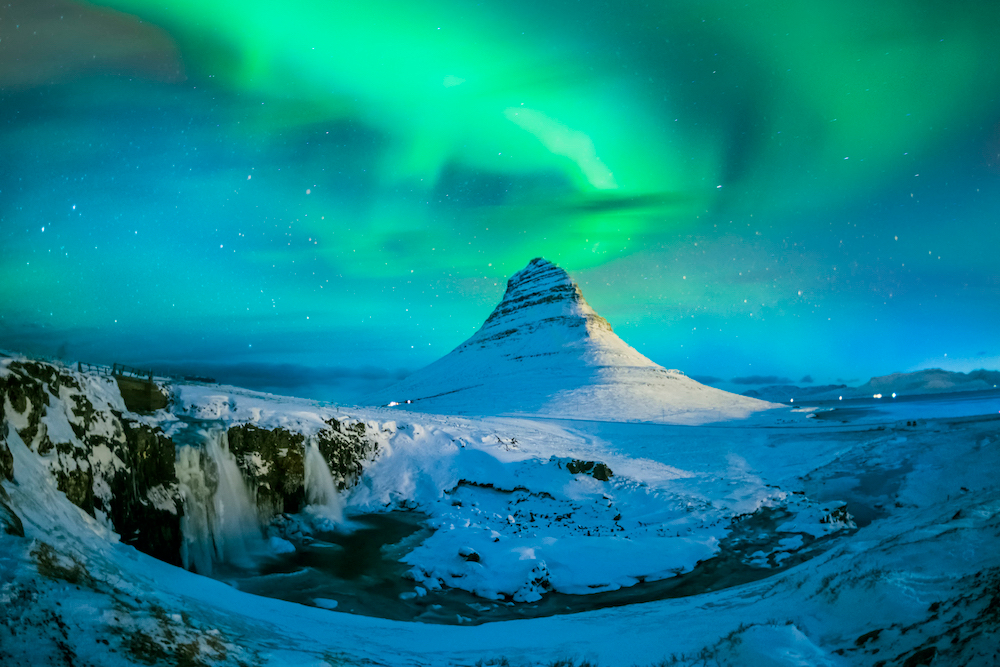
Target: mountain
x,y
931,381
927,381
780,393
544,351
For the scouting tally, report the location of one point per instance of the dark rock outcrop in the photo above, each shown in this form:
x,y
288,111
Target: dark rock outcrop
x,y
346,447
273,460
272,463
111,467
10,523
6,458
145,505
24,389
141,394
598,471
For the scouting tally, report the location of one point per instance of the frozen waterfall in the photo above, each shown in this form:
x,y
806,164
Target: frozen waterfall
x,y
321,491
220,522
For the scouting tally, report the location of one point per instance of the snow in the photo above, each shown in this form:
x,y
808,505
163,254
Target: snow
x,y
921,571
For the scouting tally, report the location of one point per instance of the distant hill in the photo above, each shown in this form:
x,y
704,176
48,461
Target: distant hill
x,y
928,381
544,351
783,392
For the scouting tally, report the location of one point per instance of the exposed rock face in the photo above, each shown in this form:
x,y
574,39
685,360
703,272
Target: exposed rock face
x,y
6,458
112,467
346,447
544,351
145,505
123,471
272,463
541,299
141,394
599,471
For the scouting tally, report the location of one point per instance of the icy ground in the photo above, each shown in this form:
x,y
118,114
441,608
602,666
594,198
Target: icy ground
x,y
918,580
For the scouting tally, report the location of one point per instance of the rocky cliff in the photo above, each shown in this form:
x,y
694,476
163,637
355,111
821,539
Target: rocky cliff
x,y
119,466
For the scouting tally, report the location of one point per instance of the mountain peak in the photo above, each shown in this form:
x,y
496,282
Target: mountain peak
x,y
541,295
544,351
540,279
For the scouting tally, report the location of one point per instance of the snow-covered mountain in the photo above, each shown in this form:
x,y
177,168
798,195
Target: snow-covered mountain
x,y
544,351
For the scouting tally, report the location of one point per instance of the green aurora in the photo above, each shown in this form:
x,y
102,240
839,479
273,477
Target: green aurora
x,y
740,188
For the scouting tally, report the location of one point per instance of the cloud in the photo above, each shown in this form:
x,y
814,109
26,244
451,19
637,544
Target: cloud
x,y
806,379
761,379
49,49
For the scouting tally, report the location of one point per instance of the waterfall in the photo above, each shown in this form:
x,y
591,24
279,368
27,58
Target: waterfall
x,y
321,491
220,522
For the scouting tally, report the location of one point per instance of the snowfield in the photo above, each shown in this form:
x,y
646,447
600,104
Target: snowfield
x,y
798,540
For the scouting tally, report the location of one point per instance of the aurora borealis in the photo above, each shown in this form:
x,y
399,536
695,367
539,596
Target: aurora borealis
x,y
317,196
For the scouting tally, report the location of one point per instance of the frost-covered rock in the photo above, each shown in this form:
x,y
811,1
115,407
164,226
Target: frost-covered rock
x,y
271,462
107,461
120,467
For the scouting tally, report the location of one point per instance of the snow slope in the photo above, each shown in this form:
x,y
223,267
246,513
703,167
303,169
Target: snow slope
x,y
507,489
544,351
918,583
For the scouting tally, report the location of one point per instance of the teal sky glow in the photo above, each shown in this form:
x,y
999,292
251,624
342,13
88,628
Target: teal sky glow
x,y
319,197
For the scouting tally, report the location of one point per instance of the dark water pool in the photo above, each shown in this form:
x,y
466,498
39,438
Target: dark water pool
x,y
361,572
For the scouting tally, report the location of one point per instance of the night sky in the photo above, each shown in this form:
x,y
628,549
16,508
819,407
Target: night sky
x,y
318,197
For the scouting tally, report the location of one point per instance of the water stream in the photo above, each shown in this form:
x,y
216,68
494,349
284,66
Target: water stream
x,y
220,522
358,571
321,491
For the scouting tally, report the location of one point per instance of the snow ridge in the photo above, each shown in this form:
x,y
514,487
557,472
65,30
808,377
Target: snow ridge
x,y
544,351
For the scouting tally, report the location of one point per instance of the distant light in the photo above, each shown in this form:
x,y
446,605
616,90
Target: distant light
x,y
791,400
894,394
840,398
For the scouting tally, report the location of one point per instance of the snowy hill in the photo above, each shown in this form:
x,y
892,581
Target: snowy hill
x,y
927,381
931,381
544,351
